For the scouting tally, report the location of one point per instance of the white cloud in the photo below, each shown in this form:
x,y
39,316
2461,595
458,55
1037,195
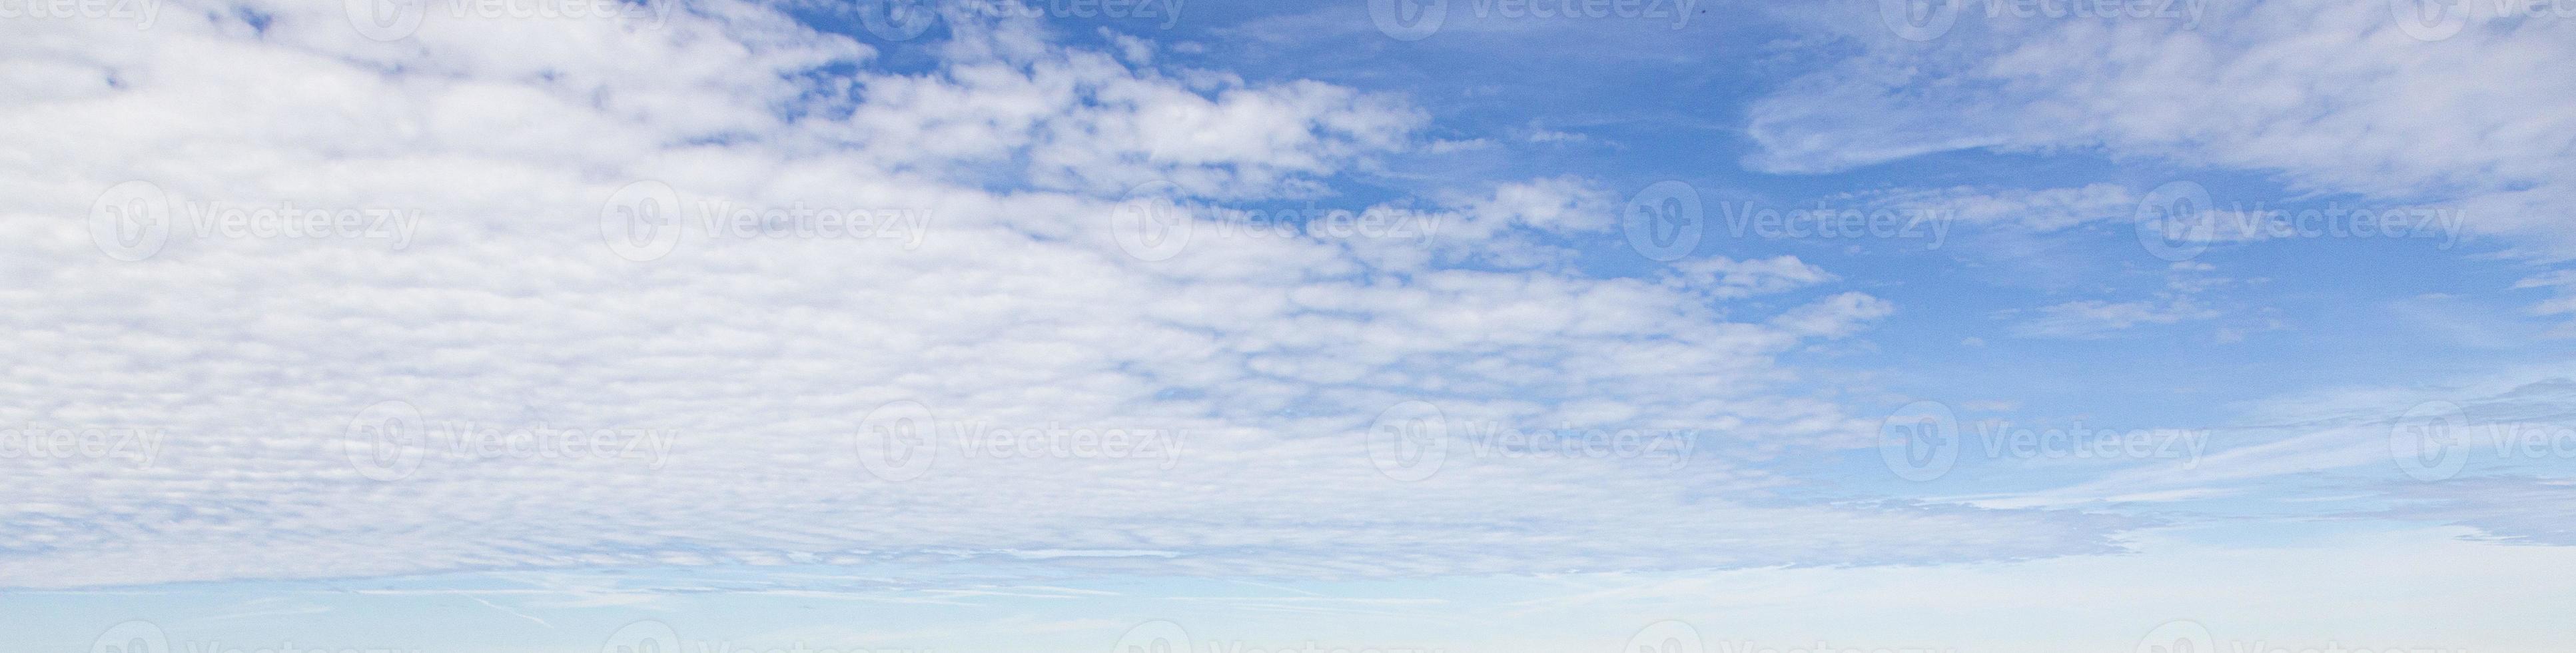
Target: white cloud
x,y
1728,278
2094,318
2331,94
759,353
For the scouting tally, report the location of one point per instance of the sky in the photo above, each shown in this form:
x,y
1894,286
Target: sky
x,y
1344,326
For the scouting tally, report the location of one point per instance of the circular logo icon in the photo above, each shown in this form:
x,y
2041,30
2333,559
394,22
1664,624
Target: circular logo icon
x,y
647,636
1147,225
1918,20
641,222
2430,20
386,441
2431,441
1408,441
1408,20
386,20
1663,221
897,20
1667,636
2176,221
132,637
898,441
130,221
2178,636
1920,441
1157,636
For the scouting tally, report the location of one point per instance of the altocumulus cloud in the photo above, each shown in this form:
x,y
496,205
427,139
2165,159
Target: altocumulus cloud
x,y
742,369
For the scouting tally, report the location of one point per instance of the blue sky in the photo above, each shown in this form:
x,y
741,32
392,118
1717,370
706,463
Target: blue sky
x,y
821,325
